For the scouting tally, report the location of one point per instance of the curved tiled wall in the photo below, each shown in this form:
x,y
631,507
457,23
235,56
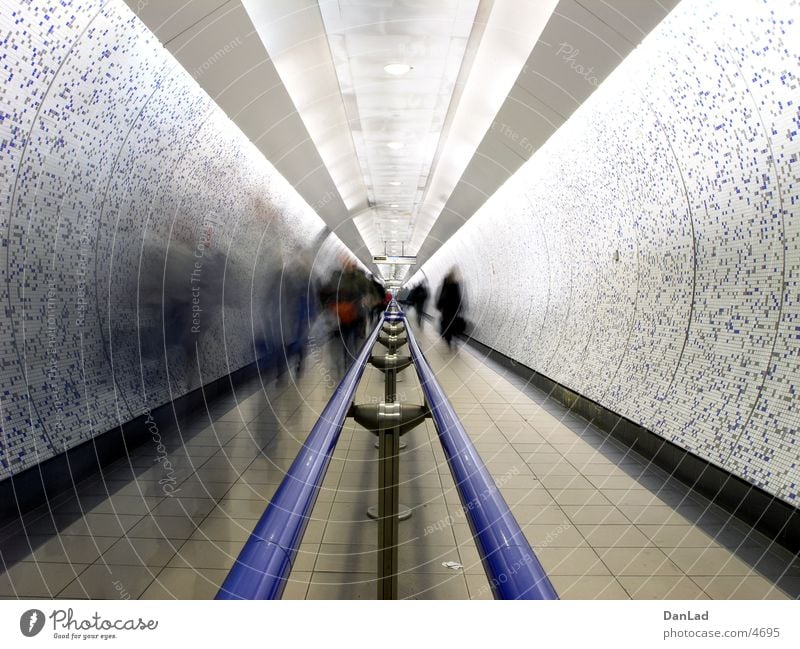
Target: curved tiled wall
x,y
126,194
648,256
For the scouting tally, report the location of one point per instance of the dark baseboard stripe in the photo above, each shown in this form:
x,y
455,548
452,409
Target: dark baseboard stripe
x,y
39,484
773,517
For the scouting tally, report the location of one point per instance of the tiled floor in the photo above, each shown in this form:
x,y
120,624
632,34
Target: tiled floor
x,y
602,521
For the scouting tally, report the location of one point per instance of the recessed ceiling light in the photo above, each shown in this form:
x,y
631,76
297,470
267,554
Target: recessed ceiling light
x,y
395,205
397,68
395,145
395,183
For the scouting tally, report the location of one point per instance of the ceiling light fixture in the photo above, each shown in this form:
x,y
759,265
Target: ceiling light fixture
x,y
395,145
395,183
397,69
394,205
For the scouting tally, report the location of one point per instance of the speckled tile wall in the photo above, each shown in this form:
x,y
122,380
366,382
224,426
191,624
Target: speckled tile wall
x,y
141,231
648,255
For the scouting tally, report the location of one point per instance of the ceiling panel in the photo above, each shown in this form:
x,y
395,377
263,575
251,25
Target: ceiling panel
x,y
582,43
407,109
294,36
217,43
320,105
521,108
633,19
168,19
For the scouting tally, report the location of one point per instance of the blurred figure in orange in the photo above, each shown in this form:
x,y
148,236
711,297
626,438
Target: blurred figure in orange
x,y
376,300
344,295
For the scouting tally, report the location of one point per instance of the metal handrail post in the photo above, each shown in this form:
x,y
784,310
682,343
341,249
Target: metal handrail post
x,y
389,420
388,501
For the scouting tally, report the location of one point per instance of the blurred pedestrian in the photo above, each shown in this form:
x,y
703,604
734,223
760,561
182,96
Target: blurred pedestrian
x,y
450,304
376,300
296,310
417,298
344,295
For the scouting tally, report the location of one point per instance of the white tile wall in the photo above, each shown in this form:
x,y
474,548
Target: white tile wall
x,y
686,162
114,169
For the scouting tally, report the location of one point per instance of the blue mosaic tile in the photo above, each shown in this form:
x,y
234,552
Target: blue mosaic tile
x,y
115,168
684,165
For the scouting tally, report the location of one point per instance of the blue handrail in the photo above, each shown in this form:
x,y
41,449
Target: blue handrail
x,y
263,566
513,570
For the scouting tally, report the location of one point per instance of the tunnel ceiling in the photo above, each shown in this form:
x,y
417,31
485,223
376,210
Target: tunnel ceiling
x,y
398,162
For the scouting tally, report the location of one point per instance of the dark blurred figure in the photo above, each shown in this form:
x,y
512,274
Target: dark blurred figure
x,y
178,306
376,300
417,298
175,295
344,295
265,312
296,310
450,304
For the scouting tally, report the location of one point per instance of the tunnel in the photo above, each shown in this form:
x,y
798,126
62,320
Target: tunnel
x,y
388,299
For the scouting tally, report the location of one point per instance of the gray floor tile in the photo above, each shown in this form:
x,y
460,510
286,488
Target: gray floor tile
x,y
106,581
342,586
223,529
164,527
38,579
708,562
201,555
673,536
662,587
297,586
478,587
638,562
70,549
554,535
239,509
132,551
751,586
186,507
653,515
614,536
432,586
588,587
594,514
185,583
570,561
